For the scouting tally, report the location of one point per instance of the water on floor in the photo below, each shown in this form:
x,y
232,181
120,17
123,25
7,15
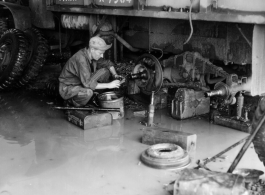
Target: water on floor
x,y
42,153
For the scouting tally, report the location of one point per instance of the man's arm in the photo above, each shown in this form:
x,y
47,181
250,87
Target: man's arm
x,y
111,85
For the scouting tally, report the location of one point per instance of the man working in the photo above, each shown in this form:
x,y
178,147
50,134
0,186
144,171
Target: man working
x,y
87,71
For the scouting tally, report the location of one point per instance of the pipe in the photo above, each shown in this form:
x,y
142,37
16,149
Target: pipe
x,y
126,44
87,109
215,80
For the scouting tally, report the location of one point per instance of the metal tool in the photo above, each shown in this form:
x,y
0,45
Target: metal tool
x,y
87,109
245,146
202,165
151,110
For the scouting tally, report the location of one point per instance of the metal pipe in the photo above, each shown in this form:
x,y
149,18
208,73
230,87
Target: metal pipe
x,y
245,147
221,153
125,43
87,109
151,111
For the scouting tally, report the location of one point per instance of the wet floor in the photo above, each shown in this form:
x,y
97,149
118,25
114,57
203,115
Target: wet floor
x,y
42,153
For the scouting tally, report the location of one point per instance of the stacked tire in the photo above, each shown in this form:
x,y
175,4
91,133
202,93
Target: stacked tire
x,y
22,55
259,140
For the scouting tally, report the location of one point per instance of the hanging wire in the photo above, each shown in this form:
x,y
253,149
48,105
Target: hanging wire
x,y
243,34
191,26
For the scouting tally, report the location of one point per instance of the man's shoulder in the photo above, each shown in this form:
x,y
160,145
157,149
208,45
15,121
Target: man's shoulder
x,y
80,52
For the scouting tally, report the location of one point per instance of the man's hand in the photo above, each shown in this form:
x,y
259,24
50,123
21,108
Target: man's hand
x,y
120,78
114,84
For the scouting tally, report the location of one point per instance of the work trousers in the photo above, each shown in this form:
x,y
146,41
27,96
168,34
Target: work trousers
x,y
78,95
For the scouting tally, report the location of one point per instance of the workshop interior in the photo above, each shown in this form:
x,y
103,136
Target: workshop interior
x,y
188,117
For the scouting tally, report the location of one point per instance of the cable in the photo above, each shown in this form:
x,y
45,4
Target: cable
x,y
243,34
191,26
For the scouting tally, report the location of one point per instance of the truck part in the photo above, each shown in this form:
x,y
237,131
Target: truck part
x,y
13,56
21,15
151,111
199,181
256,136
112,100
188,103
220,89
37,54
166,156
152,66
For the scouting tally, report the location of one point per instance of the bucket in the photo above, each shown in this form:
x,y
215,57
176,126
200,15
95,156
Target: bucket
x,y
112,99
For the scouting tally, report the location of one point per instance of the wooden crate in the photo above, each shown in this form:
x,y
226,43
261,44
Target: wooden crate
x,y
155,135
87,120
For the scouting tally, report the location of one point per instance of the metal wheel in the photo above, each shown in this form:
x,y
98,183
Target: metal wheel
x,y
154,71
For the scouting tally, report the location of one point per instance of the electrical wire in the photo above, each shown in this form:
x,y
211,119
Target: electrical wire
x,y
243,34
191,26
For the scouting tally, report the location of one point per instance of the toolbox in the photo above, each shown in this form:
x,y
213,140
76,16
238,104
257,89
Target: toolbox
x,y
88,120
189,103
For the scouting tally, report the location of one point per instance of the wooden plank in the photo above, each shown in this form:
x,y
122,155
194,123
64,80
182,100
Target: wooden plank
x,y
156,135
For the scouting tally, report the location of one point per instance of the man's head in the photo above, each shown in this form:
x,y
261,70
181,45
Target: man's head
x,y
98,47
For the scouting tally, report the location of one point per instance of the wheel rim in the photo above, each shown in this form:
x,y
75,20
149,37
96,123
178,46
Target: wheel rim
x,y
154,72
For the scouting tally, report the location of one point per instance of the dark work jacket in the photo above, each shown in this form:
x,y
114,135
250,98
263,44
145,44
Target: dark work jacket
x,y
78,70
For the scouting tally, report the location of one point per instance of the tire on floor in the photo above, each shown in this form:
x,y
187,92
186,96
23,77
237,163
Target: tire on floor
x,y
259,140
13,55
37,54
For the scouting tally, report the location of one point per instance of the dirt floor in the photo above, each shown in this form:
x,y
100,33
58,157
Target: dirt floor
x,y
42,153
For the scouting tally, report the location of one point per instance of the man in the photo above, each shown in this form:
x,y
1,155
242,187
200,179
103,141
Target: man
x,y
87,71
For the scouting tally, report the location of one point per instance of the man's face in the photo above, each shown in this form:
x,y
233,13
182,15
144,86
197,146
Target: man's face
x,y
96,54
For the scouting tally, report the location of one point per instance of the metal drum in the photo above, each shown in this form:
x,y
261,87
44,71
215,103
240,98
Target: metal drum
x,y
112,99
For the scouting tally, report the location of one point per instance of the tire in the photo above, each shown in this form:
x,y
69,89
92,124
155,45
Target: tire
x,y
37,54
259,140
13,55
3,26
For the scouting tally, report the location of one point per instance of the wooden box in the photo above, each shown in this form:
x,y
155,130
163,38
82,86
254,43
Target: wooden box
x,y
87,120
156,135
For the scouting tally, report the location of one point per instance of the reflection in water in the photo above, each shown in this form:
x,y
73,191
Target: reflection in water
x,y
56,141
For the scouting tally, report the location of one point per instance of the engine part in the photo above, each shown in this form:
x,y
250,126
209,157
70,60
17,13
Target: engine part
x,y
166,156
189,103
13,55
112,100
151,111
220,89
154,72
240,104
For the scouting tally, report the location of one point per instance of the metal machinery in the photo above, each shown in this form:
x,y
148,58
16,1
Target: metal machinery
x,y
185,34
